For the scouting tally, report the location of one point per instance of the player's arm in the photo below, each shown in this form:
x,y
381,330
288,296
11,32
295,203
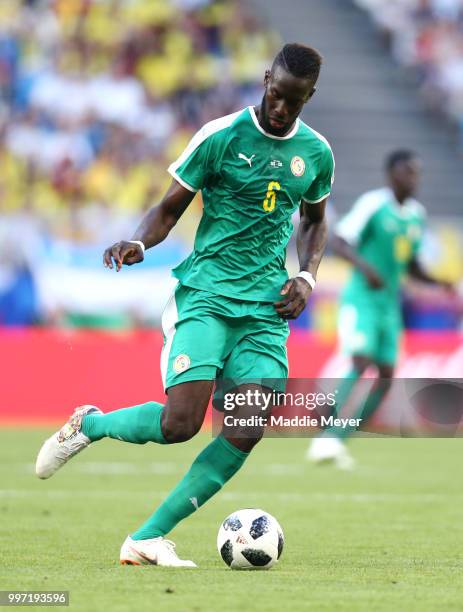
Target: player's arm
x,y
311,241
416,271
346,251
153,229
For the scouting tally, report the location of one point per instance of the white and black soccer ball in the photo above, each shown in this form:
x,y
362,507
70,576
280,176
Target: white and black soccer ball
x,y
250,539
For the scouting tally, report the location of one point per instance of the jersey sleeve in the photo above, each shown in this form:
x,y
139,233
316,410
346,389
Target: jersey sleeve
x,y
354,225
320,187
196,162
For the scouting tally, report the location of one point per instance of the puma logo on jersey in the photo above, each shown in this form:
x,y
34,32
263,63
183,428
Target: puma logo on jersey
x,y
248,159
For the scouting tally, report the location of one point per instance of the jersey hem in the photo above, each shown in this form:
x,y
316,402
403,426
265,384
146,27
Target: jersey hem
x,y
232,296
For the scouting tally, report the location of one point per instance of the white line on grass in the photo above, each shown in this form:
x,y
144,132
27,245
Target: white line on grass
x,y
108,468
242,495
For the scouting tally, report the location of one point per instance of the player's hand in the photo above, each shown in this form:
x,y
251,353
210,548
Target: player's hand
x,y
295,292
122,252
374,279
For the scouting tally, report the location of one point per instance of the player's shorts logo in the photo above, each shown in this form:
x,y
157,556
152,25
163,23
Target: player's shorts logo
x,y
297,166
181,363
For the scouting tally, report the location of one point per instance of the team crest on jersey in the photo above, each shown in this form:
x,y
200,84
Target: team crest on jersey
x,y
297,166
181,363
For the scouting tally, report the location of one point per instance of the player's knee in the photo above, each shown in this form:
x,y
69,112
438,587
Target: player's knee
x,y
361,363
179,428
386,374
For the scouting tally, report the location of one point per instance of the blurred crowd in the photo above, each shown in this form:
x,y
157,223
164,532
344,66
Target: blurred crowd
x,y
427,36
98,96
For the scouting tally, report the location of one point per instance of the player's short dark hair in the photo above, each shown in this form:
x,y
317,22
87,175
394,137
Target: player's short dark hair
x,y
399,156
299,60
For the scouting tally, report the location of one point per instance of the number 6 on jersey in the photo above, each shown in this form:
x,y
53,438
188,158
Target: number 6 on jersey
x,y
271,197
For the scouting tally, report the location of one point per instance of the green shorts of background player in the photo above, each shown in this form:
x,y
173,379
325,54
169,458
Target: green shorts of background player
x,y
369,336
228,315
381,237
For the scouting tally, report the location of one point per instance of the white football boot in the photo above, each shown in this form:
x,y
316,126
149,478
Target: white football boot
x,y
156,551
326,449
64,444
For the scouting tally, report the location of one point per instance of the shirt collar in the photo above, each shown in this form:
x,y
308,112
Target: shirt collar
x,y
261,129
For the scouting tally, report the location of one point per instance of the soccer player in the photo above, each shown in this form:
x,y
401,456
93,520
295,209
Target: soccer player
x,y
380,237
228,314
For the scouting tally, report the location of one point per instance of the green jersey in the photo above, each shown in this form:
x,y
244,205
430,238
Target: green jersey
x,y
387,235
251,184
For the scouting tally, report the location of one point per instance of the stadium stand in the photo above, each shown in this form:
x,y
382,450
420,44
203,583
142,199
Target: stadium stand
x,y
96,99
426,36
99,96
366,105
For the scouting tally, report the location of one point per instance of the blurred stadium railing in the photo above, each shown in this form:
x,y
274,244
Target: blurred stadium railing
x,y
96,99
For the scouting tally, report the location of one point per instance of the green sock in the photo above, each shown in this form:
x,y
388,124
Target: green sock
x,y
138,424
366,410
372,402
211,469
344,391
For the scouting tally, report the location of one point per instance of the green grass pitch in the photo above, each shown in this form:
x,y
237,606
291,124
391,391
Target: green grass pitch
x,y
387,536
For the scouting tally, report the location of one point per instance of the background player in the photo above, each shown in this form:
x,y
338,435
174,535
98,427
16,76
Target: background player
x,y
227,316
380,237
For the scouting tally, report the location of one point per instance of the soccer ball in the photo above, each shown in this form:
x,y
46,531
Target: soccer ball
x,y
250,539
